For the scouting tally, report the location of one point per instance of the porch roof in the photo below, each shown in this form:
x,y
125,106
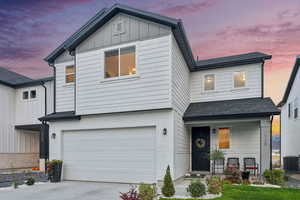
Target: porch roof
x,y
229,109
61,116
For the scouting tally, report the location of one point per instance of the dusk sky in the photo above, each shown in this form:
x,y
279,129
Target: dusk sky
x,y
31,29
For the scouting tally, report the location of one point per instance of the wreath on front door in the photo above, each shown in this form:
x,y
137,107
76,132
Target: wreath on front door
x,y
200,143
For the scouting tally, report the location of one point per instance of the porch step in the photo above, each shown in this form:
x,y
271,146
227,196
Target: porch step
x,y
196,174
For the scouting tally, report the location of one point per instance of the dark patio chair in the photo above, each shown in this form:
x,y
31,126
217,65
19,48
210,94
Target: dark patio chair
x,y
251,165
233,163
219,166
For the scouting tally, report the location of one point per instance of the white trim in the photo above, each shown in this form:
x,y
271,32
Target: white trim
x,y
217,139
65,73
118,47
203,83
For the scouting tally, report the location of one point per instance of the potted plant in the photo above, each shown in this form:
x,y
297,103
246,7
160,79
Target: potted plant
x,y
54,169
245,175
216,155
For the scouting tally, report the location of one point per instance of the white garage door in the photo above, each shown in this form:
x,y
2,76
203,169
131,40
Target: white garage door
x,y
110,155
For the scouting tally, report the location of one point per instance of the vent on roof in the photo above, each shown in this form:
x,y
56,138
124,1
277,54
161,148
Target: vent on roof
x,y
118,27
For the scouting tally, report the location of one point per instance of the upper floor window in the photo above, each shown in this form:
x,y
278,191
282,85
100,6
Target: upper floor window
x,y
209,82
296,108
289,110
120,62
70,74
25,95
224,138
239,79
32,94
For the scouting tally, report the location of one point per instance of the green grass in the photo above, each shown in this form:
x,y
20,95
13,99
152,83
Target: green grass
x,y
242,192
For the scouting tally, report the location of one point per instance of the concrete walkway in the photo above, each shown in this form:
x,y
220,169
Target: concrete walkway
x,y
68,190
294,181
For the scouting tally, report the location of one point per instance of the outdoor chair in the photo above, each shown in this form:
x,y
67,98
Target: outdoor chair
x,y
233,163
250,165
219,166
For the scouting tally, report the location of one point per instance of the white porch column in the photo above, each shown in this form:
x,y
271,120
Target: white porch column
x,y
265,145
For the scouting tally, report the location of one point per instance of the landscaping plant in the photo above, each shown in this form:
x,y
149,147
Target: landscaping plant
x,y
14,184
215,185
54,169
147,192
233,175
275,176
196,189
215,155
131,195
30,181
168,189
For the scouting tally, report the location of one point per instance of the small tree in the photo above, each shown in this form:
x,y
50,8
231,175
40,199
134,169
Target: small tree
x,y
215,155
168,189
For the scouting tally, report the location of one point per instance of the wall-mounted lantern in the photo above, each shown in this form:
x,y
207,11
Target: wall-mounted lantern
x,y
164,131
53,136
214,131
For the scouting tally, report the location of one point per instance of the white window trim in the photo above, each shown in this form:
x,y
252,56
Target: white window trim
x,y
71,83
246,81
203,83
230,136
29,98
125,77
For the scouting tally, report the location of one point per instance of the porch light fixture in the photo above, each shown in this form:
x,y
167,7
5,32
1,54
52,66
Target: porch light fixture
x,y
53,136
164,131
214,131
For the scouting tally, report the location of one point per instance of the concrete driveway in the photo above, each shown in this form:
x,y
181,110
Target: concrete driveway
x,y
68,190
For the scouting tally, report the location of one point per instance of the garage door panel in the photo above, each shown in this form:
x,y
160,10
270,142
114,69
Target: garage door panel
x,y
113,155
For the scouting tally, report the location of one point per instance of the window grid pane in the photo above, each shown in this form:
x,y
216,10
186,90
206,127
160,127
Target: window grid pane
x,y
209,82
25,95
239,79
112,63
70,74
127,61
32,94
224,138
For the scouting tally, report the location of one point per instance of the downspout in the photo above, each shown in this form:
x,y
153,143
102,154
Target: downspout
x,y
271,141
45,88
262,79
54,87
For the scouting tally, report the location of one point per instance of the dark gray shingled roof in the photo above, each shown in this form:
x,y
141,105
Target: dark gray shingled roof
x,y
291,82
60,116
11,78
106,14
229,61
16,80
228,109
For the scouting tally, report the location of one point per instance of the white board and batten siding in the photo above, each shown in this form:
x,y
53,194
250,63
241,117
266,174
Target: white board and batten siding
x,y
11,140
148,89
224,89
127,147
180,102
290,126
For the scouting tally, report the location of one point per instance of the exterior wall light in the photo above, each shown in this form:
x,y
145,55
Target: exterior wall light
x,y
53,136
164,131
214,131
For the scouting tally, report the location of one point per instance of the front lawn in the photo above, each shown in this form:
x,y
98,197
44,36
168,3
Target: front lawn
x,y
242,192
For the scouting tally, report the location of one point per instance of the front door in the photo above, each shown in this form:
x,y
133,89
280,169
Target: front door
x,y
200,148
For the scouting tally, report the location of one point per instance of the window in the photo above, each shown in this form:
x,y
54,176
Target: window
x,y
120,62
296,108
239,79
209,82
70,74
25,95
224,138
32,94
289,110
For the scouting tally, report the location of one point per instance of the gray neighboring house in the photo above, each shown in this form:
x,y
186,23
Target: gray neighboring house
x,y
23,138
129,100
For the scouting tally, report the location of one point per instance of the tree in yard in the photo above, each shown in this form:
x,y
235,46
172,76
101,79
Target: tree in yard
x,y
168,189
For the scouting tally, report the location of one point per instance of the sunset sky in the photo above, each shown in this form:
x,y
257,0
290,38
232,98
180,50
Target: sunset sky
x,y
31,29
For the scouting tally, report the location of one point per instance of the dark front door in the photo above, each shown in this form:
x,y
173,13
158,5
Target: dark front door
x,y
200,148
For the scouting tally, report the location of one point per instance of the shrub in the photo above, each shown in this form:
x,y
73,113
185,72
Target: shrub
x,y
275,176
168,189
30,181
233,175
131,195
14,184
215,185
196,189
147,192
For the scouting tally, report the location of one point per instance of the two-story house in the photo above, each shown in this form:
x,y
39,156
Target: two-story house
x,y
130,100
23,138
290,123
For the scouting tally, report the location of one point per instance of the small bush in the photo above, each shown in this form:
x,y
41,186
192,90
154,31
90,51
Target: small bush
x,y
30,181
14,184
131,195
226,182
275,176
233,175
147,192
215,185
196,189
168,189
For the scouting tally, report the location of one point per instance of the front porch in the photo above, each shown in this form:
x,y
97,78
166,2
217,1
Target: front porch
x,y
239,139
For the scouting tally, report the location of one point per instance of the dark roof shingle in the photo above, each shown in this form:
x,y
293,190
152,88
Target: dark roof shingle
x,y
60,116
11,78
229,61
252,107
